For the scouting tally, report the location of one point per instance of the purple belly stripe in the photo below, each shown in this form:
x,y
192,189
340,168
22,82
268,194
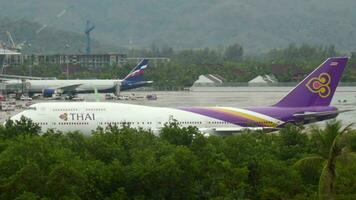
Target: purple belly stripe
x,y
220,115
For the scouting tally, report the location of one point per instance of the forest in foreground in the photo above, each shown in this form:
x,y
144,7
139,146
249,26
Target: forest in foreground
x,y
180,163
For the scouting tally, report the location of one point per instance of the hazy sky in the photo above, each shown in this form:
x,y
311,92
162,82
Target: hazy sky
x,y
257,24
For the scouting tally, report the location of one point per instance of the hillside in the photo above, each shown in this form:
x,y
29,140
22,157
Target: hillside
x,y
258,25
48,41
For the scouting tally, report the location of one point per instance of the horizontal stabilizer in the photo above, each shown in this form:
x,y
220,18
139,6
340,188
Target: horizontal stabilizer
x,y
127,85
137,83
313,115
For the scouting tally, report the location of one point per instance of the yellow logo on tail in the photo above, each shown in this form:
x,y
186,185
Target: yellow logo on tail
x,y
320,85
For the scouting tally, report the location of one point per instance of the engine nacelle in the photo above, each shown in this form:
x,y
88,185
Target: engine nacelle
x,y
49,92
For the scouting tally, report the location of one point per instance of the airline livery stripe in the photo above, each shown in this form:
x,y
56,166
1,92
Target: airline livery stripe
x,y
245,115
233,116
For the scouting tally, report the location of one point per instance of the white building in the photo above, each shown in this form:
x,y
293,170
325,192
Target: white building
x,y
208,80
263,80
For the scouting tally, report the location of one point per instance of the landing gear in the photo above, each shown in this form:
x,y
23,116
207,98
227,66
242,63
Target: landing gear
x,y
70,97
117,89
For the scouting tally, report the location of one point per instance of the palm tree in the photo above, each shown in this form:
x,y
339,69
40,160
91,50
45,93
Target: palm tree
x,y
334,147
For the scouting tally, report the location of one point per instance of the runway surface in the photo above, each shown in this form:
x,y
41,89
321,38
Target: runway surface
x,y
345,98
244,97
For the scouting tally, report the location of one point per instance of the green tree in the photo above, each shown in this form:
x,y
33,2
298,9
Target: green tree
x,y
23,127
179,136
27,196
65,181
333,147
293,142
234,52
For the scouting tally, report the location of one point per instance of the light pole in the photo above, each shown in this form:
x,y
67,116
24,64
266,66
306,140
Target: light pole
x,y
2,69
30,68
67,62
67,46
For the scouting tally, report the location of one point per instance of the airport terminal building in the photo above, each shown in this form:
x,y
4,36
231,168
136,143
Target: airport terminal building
x,y
81,60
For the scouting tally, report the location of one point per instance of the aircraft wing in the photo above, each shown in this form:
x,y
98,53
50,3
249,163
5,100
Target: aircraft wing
x,y
68,88
314,115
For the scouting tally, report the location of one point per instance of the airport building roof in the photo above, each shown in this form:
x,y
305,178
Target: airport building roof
x,y
263,80
208,78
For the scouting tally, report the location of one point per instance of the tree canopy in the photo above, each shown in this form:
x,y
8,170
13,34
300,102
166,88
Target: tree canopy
x,y
181,163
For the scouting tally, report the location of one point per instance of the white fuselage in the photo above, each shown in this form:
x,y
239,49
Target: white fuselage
x,y
37,86
87,116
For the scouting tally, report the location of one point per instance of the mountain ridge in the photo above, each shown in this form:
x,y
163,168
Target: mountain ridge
x,y
256,24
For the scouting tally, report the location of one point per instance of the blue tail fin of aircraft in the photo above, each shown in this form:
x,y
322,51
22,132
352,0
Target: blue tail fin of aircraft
x,y
135,78
136,75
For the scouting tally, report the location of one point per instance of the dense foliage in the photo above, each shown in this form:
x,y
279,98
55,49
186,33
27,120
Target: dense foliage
x,y
180,164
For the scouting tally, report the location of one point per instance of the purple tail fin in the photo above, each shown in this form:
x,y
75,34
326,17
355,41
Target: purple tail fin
x,y
318,88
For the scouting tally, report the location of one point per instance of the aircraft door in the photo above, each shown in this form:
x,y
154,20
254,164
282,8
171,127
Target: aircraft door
x,y
159,124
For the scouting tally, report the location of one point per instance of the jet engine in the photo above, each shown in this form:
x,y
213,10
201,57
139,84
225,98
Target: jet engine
x,y
50,92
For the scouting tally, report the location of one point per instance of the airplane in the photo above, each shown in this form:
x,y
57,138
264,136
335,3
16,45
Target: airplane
x,y
49,88
308,102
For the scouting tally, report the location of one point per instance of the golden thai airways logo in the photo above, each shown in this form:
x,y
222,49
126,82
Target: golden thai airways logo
x,y
77,116
64,116
320,85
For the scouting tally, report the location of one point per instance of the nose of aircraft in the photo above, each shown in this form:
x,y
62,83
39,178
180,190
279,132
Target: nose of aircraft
x,y
17,116
13,118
